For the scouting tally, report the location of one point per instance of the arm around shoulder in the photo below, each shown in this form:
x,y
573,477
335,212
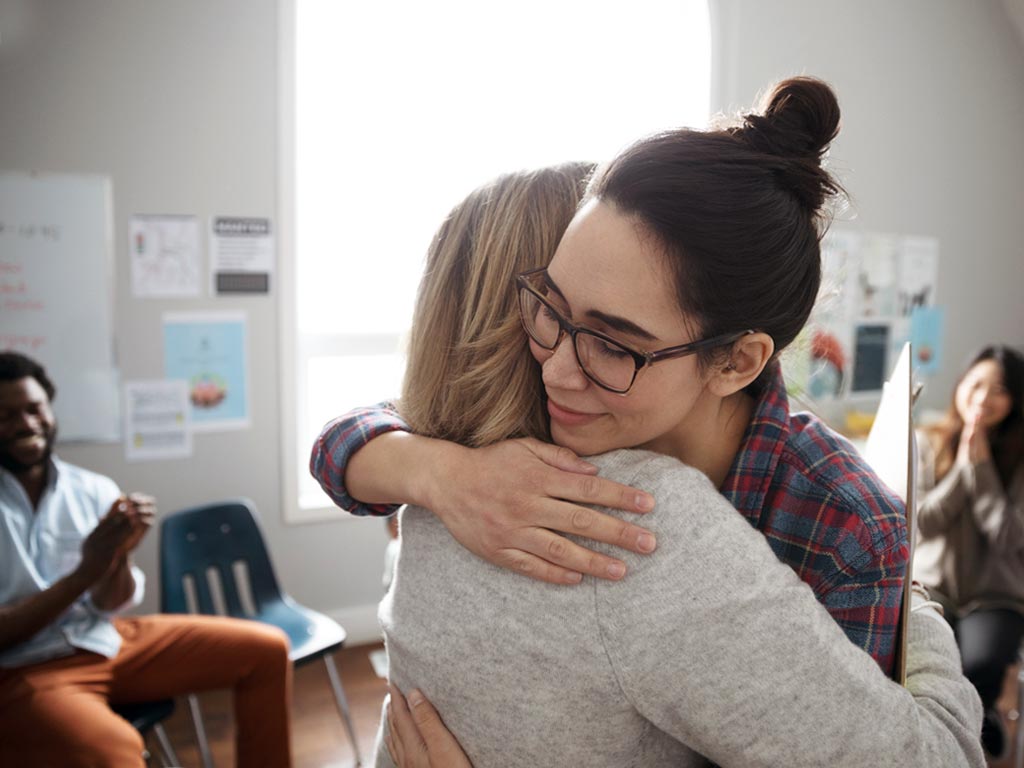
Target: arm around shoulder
x,y
340,440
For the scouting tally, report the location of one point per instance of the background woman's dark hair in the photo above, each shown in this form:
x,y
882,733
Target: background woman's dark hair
x,y
1007,438
738,210
14,366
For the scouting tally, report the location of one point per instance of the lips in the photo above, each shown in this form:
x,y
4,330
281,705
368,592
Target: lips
x,y
569,417
25,440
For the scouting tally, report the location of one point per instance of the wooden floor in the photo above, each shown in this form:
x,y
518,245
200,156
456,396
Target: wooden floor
x,y
319,739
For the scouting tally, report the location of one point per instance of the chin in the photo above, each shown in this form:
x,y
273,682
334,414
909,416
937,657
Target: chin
x,y
580,444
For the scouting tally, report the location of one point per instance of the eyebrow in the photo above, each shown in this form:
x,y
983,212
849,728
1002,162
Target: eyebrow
x,y
612,321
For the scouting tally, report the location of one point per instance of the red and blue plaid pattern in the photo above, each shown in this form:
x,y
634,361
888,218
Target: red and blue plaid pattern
x,y
338,442
822,510
826,515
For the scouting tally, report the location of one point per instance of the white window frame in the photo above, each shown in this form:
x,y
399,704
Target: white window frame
x,y
296,349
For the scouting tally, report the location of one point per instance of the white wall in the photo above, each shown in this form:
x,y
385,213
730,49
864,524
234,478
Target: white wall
x,y
177,102
932,95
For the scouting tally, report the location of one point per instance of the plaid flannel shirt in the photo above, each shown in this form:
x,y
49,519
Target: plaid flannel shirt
x,y
822,510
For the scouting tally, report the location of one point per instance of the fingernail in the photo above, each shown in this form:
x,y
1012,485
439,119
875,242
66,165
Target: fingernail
x,y
415,697
645,542
573,578
644,502
616,570
586,466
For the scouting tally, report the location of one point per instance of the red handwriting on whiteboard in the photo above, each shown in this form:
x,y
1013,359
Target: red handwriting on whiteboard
x,y
16,341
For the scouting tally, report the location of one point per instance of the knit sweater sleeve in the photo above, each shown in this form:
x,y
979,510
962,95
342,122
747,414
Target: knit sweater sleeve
x,y
996,510
720,645
940,504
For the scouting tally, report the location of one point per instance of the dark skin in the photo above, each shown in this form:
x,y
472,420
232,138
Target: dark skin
x,y
27,432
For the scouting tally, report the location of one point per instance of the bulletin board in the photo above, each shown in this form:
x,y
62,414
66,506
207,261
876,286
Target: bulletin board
x,y
878,293
56,286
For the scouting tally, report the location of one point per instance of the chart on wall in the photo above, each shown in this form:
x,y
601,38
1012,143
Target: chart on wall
x,y
878,292
56,287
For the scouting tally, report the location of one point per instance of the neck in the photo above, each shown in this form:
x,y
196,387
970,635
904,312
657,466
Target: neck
x,y
33,480
711,435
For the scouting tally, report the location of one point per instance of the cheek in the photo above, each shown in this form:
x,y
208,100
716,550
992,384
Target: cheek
x,y
656,403
962,400
1001,407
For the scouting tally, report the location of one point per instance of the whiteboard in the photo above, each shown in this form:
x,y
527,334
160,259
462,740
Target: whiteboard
x,y
56,280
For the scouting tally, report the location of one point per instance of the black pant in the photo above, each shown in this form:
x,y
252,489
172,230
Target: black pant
x,y
989,641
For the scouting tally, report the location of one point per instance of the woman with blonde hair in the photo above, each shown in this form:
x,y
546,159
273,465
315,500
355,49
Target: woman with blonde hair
x,y
693,654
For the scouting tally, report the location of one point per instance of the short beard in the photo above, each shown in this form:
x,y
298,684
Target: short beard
x,y
12,465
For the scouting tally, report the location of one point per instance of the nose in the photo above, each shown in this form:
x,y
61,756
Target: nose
x,y
561,370
24,421
981,395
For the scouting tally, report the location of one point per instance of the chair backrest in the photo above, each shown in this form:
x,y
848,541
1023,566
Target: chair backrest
x,y
218,541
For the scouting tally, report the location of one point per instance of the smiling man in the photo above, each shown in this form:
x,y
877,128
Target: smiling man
x,y
66,542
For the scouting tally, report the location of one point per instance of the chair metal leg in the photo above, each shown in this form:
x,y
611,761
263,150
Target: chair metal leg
x,y
339,697
168,755
197,723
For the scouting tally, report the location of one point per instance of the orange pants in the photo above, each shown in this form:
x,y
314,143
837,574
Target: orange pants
x,y
57,713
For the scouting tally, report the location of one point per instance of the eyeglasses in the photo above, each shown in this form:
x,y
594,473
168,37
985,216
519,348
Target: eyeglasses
x,y
608,363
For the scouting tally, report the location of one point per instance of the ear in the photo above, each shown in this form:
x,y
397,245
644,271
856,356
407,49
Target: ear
x,y
747,358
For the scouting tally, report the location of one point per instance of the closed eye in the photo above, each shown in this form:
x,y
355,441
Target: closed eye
x,y
609,350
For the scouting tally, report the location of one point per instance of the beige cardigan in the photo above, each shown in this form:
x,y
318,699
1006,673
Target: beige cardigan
x,y
970,543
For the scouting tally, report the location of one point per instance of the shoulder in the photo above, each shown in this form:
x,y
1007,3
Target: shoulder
x,y
653,472
821,467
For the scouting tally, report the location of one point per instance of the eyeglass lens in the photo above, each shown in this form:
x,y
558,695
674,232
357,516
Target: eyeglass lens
x,y
602,360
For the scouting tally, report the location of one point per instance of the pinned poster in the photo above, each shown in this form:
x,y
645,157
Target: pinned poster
x,y
926,333
241,254
165,256
208,351
156,420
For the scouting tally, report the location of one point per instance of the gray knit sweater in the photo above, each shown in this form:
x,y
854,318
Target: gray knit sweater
x,y
710,646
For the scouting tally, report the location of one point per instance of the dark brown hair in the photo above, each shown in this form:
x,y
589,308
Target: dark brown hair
x,y
738,210
1006,438
15,366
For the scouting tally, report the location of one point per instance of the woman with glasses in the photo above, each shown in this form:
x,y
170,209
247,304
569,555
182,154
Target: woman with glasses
x,y
710,646
702,242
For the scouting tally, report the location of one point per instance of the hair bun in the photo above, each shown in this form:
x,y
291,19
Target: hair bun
x,y
800,118
799,121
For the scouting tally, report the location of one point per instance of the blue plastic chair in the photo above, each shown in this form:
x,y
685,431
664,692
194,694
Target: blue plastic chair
x,y
223,540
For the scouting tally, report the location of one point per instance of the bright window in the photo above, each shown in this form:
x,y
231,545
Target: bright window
x,y
400,109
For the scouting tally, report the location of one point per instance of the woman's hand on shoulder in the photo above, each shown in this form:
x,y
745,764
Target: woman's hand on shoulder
x,y
508,502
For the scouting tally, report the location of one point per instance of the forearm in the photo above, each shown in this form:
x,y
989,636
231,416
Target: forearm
x,y
340,440
22,620
116,587
942,505
400,468
996,510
